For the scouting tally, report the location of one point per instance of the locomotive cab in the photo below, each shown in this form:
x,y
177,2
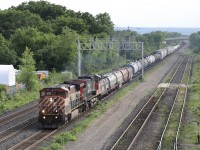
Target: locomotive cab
x,y
52,107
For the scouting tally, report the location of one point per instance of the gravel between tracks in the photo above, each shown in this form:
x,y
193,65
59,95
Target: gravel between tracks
x,y
101,133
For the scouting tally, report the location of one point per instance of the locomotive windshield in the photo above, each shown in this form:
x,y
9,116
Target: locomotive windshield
x,y
53,93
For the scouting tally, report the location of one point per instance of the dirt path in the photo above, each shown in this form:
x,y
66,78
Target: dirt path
x,y
97,135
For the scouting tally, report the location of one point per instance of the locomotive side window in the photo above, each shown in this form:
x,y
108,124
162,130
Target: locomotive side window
x,y
60,93
48,93
42,94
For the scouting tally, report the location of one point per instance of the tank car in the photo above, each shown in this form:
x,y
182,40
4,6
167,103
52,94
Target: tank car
x,y
104,86
115,79
133,66
176,47
112,79
146,62
162,53
139,64
157,57
126,72
152,58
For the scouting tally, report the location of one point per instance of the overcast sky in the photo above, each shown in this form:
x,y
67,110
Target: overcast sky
x,y
134,13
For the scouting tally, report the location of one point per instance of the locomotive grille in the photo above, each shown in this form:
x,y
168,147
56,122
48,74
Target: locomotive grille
x,y
51,105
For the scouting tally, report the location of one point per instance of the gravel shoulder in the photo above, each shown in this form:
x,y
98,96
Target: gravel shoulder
x,y
100,133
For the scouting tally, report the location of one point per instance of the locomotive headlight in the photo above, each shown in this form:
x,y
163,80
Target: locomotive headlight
x,y
56,117
43,111
44,117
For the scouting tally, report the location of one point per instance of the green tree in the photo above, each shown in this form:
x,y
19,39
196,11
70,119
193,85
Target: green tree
x,y
25,37
104,23
27,73
158,38
7,56
3,96
76,24
50,50
90,21
13,19
195,42
46,10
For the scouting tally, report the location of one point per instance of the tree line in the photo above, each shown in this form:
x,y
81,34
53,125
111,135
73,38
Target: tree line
x,y
195,42
50,32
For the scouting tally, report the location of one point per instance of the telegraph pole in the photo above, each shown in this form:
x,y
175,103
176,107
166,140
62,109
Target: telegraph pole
x,y
142,62
79,57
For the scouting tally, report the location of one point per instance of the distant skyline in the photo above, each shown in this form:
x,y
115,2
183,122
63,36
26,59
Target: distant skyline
x,y
132,13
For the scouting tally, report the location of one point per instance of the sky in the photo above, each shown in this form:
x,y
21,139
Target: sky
x,y
134,13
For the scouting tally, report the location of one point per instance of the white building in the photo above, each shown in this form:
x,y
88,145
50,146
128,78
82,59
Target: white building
x,y
7,78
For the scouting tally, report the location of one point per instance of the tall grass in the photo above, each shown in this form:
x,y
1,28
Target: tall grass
x,y
20,98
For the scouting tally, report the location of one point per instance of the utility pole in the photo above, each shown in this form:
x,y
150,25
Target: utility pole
x,y
142,62
79,57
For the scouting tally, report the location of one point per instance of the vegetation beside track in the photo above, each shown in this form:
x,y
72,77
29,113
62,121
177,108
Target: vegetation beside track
x,y
19,99
23,97
189,130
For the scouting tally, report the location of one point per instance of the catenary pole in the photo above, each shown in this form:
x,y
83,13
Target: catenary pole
x,y
79,58
142,62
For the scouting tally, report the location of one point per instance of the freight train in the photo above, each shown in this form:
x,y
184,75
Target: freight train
x,y
60,103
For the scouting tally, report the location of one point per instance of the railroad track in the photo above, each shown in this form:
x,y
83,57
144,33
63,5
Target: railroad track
x,y
30,142
15,115
12,131
130,135
14,123
169,138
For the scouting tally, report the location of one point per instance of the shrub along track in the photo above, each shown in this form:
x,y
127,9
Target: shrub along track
x,y
132,133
